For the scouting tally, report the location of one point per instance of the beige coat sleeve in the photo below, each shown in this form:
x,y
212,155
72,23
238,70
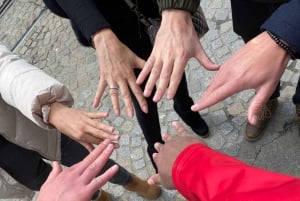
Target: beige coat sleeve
x,y
28,88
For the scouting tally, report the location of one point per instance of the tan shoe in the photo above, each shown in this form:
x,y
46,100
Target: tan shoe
x,y
142,188
254,132
104,196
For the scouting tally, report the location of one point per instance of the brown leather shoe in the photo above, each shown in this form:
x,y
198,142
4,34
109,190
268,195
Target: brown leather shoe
x,y
142,188
254,132
104,196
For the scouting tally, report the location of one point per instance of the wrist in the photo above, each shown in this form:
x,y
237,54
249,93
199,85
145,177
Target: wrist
x,y
175,17
101,35
176,14
283,45
53,114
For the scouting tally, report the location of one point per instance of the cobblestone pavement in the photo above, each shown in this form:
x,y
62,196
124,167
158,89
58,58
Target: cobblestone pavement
x,y
48,42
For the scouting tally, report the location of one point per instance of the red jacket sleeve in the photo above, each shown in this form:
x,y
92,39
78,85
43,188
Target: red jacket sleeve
x,y
200,173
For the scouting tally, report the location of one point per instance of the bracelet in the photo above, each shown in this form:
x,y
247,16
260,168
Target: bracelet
x,y
282,45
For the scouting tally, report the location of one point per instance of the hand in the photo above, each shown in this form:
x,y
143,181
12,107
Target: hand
x,y
79,182
175,43
167,154
83,127
258,65
116,62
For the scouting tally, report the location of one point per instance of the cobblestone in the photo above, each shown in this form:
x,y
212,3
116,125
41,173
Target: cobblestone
x,y
48,42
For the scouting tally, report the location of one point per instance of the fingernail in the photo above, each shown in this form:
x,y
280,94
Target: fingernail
x,y
194,107
116,137
130,113
146,93
156,98
145,109
169,96
254,119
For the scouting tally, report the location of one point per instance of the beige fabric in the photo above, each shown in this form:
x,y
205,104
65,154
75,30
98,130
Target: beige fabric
x,y
28,89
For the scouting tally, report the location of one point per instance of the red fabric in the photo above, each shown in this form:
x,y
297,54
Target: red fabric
x,y
200,173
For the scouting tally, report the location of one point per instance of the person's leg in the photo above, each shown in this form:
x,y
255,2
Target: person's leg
x,y
149,123
72,152
247,17
25,166
296,101
182,105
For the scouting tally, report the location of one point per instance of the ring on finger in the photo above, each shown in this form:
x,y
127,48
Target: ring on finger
x,y
114,87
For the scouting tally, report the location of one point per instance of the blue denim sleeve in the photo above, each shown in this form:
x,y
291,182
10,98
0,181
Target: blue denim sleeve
x,y
285,23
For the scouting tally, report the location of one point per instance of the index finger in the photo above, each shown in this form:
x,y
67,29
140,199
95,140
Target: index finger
x,y
93,156
95,167
164,80
180,129
176,77
99,93
145,70
215,94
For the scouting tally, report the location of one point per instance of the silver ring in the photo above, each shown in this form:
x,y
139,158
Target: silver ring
x,y
114,87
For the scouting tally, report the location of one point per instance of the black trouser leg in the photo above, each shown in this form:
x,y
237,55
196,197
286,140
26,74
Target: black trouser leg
x,y
28,167
296,97
25,166
72,152
149,122
182,97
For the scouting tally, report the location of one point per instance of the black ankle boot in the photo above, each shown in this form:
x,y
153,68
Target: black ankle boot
x,y
194,120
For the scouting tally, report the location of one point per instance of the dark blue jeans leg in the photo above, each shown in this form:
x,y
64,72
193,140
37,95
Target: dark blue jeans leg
x,y
72,152
28,167
25,166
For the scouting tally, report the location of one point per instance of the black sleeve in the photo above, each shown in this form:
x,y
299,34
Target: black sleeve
x,y
84,15
285,23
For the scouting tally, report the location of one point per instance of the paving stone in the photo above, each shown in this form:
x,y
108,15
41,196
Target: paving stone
x,y
48,42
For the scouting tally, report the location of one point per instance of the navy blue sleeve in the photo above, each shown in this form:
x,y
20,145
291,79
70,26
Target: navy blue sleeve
x,y
285,23
85,15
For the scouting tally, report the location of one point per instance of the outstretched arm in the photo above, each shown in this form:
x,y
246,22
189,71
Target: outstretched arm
x,y
116,60
200,173
46,101
259,64
175,43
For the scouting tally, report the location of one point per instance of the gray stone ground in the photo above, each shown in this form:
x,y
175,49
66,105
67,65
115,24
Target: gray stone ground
x,y
48,42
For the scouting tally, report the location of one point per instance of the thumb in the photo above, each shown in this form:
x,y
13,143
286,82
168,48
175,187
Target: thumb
x,y
180,129
140,63
146,66
256,106
205,61
90,147
56,169
154,179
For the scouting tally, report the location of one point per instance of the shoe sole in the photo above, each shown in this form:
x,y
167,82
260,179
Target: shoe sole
x,y
206,135
253,139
